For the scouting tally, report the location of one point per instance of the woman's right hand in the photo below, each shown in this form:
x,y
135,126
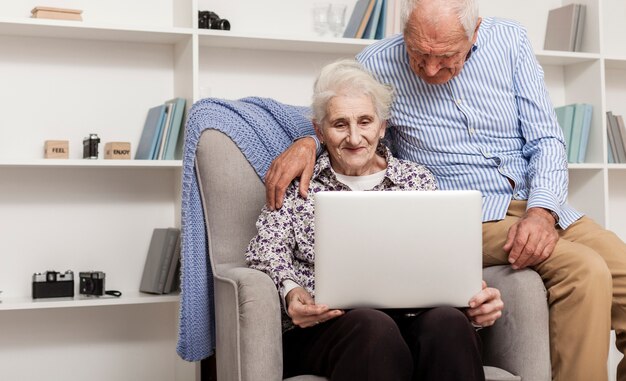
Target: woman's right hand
x,y
304,312
297,160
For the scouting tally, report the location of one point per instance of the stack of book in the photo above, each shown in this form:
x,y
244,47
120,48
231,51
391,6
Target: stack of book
x,y
617,138
162,135
160,273
564,30
374,19
575,120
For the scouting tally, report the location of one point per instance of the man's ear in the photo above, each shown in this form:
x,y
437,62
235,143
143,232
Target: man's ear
x,y
318,132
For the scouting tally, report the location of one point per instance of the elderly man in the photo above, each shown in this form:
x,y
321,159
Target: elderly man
x,y
473,107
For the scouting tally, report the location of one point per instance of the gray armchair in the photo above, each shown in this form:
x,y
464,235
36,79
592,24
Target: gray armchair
x,y
247,307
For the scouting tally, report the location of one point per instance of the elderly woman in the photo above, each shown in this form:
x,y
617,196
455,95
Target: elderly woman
x,y
349,112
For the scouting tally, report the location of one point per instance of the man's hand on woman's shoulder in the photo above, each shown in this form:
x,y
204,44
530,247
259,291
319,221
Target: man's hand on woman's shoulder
x,y
296,161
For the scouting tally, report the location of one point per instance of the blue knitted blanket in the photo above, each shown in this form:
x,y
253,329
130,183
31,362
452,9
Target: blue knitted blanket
x,y
262,128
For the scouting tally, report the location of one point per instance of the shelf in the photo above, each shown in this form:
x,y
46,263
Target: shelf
x,y
575,166
227,39
79,30
131,297
553,57
100,163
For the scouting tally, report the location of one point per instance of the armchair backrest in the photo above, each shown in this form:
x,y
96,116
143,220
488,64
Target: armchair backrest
x,y
234,200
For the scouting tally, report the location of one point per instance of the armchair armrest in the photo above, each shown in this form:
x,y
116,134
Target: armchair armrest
x,y
519,341
249,337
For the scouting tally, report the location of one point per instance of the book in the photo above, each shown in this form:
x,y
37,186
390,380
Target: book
x,y
580,132
565,117
362,10
622,134
564,29
612,132
174,138
158,260
164,130
150,134
171,282
584,135
372,23
56,13
381,29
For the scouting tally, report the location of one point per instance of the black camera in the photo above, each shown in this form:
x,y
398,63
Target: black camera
x,y
92,283
90,146
53,284
210,20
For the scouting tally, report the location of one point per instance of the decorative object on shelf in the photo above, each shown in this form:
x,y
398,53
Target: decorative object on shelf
x,y
575,120
210,20
320,13
53,284
56,13
162,262
92,284
564,29
90,146
117,150
56,149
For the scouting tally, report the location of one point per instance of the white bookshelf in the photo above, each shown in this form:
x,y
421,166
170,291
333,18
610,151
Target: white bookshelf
x,y
66,79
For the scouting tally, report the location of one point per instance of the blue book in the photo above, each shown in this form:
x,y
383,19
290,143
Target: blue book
x,y
372,24
149,140
174,132
358,14
382,22
565,117
578,130
584,137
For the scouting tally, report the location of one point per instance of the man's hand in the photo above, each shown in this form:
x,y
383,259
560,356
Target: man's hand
x,y
485,307
296,161
304,312
532,239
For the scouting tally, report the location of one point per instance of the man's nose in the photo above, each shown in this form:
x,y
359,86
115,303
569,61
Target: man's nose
x,y
431,66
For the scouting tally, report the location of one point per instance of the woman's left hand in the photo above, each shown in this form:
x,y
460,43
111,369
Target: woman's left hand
x,y
485,307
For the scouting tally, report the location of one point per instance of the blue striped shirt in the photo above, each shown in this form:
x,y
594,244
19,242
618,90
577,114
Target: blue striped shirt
x,y
491,123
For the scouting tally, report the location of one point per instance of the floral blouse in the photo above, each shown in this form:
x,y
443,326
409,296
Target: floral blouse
x,y
283,247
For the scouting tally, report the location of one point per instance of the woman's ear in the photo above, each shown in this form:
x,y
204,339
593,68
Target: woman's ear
x,y
383,129
318,132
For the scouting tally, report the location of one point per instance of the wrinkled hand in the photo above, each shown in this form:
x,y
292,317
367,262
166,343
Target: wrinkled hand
x,y
304,312
296,161
532,239
485,307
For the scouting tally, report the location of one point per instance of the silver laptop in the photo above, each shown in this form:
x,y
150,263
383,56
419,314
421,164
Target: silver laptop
x,y
397,249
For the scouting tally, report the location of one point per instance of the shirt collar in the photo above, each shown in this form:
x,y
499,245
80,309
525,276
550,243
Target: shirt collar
x,y
323,171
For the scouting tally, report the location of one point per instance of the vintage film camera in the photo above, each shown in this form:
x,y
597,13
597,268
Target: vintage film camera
x,y
53,284
90,146
210,20
92,283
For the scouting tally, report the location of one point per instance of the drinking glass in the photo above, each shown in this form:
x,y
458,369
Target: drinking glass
x,y
336,19
320,18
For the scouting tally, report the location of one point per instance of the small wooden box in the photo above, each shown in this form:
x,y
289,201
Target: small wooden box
x,y
56,13
117,150
56,149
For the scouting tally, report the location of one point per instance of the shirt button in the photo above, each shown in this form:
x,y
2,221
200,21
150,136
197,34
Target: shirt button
x,y
471,131
458,101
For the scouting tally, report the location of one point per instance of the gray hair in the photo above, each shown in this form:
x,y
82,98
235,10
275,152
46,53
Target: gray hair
x,y
467,11
348,76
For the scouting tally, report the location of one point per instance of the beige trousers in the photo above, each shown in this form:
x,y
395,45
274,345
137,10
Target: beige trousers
x,y
586,281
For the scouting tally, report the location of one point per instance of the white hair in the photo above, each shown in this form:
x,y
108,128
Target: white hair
x,y
348,76
466,10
